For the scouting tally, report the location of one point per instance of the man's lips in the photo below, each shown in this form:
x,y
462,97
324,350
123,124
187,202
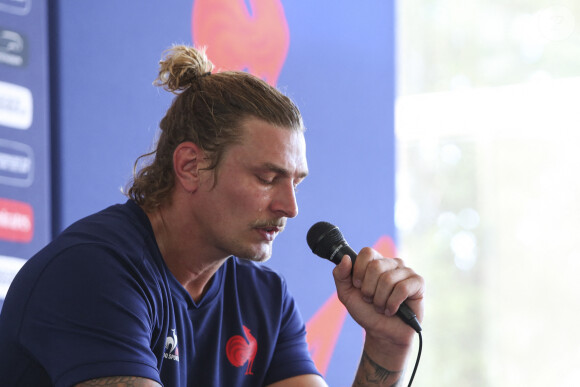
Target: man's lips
x,y
269,232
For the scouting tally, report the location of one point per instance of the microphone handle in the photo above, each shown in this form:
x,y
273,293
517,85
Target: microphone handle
x,y
404,313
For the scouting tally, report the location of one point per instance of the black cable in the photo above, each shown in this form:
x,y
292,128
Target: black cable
x,y
418,358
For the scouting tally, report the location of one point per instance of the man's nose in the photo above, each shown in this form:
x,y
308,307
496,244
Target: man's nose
x,y
285,201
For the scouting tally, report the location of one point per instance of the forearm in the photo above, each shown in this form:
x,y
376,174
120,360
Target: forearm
x,y
372,291
379,367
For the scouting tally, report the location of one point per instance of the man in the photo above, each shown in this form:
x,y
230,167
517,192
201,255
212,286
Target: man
x,y
166,289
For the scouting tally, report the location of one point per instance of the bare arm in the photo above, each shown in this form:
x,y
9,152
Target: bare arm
x,y
372,295
371,373
120,381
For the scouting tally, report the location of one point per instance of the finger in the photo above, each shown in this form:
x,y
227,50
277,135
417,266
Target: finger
x,y
375,270
409,289
341,273
363,258
387,283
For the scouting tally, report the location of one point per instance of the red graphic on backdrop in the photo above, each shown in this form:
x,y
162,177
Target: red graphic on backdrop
x,y
248,35
239,350
323,329
16,221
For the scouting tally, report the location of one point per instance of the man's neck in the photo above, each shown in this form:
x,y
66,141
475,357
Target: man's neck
x,y
185,258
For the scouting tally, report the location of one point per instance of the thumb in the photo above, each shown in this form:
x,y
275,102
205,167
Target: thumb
x,y
342,274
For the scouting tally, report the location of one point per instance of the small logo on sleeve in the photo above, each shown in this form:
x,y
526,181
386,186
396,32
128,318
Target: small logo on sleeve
x,y
171,351
241,350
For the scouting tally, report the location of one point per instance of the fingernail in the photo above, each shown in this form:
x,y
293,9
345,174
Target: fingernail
x,y
380,310
367,299
357,283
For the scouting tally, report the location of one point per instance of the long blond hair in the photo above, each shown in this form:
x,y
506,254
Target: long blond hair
x,y
208,110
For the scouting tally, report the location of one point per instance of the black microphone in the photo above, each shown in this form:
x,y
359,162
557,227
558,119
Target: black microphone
x,y
326,241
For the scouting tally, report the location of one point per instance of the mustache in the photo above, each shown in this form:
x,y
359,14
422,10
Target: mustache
x,y
278,223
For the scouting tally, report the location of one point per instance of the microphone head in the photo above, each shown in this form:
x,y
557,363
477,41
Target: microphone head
x,y
323,237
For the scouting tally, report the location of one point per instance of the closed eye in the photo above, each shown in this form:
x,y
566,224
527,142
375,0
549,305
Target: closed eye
x,y
271,181
270,174
265,181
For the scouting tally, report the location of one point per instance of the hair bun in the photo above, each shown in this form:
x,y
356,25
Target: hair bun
x,y
180,66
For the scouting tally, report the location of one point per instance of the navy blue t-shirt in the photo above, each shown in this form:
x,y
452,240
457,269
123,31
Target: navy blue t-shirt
x,y
99,301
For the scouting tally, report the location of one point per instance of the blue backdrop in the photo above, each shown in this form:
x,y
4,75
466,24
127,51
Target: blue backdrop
x,y
338,66
25,165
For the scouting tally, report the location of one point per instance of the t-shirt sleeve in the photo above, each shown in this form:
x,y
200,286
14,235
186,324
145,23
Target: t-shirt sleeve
x,y
291,357
90,316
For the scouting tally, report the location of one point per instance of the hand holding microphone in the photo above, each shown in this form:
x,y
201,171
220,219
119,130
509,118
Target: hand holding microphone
x,y
326,241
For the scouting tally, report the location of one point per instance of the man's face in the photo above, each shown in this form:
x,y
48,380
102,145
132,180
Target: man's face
x,y
255,191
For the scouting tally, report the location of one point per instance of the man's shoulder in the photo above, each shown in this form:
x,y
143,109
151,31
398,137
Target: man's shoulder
x,y
120,228
112,237
127,216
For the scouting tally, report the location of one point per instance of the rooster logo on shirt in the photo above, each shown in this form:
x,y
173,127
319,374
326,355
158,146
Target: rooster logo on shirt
x,y
240,350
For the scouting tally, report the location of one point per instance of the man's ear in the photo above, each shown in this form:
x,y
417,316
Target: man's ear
x,y
188,158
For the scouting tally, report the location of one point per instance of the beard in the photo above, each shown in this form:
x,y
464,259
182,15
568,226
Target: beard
x,y
253,254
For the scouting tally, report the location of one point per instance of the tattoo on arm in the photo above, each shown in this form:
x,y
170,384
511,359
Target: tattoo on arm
x,y
120,381
372,374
